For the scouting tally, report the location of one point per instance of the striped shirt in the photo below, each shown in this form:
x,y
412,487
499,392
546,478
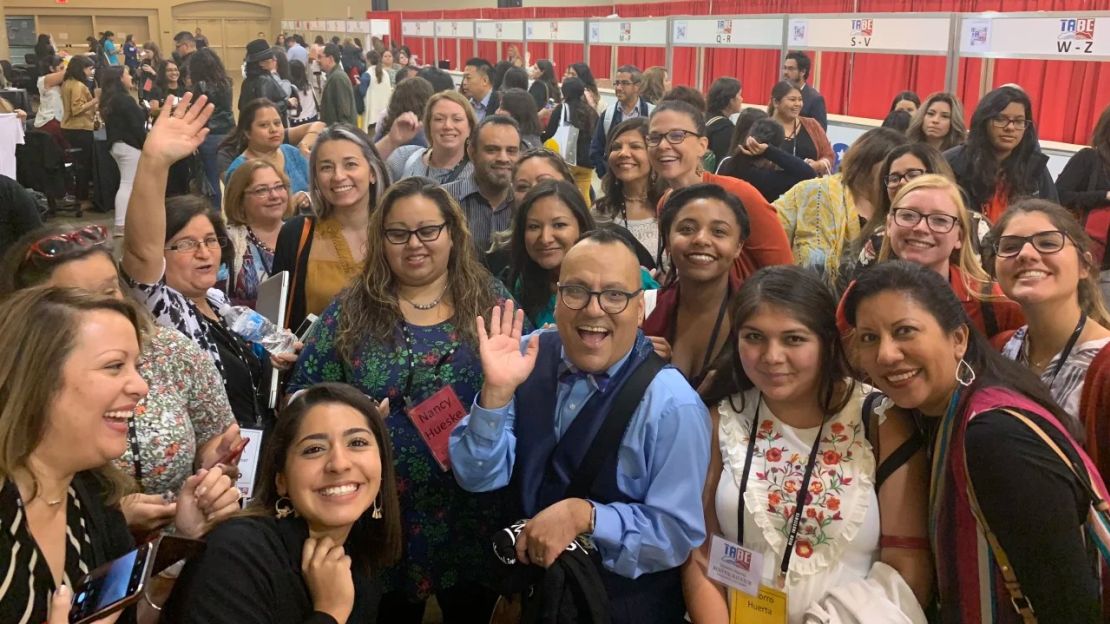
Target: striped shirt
x,y
26,582
1066,385
482,218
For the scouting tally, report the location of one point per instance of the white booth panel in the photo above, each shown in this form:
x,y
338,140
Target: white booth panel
x,y
569,31
501,30
740,32
1061,37
909,34
649,32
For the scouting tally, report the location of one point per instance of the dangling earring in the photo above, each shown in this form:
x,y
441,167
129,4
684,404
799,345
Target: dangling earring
x,y
965,374
377,510
283,507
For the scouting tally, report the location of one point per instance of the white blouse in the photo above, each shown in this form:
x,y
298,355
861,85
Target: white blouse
x,y
838,538
50,104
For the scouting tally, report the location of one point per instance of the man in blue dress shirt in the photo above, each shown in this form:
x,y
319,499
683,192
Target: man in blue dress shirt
x,y
543,400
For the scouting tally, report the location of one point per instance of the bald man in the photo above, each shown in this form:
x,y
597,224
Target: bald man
x,y
543,402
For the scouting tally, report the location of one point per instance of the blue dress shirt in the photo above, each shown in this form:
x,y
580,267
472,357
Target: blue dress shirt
x,y
662,461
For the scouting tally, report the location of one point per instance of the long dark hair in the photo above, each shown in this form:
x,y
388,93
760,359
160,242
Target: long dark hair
x,y
957,131
375,544
238,138
1100,140
766,131
905,96
160,76
298,75
744,122
933,293
535,281
985,169
611,205
522,108
586,75
75,70
205,66
111,87
581,114
779,91
547,77
802,295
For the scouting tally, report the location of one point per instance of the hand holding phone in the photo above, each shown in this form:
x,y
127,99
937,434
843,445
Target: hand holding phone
x,y
61,603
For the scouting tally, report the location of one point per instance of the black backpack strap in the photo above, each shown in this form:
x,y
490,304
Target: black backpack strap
x,y
609,436
990,321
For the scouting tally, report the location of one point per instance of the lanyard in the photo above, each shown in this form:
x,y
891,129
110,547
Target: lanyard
x,y
1066,353
940,462
133,439
713,335
795,522
410,347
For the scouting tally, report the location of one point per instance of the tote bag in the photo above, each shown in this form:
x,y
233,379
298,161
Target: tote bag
x,y
565,140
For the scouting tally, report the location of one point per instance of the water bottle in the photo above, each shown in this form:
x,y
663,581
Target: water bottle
x,y
254,327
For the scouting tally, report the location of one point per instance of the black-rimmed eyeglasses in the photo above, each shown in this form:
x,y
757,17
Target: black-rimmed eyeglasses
x,y
611,300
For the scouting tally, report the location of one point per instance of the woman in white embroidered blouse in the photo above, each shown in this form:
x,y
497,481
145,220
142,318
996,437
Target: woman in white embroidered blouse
x,y
786,380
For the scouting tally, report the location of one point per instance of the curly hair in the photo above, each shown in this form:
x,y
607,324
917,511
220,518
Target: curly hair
x,y
369,308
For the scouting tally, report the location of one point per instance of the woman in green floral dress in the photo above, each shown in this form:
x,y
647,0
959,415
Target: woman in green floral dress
x,y
403,331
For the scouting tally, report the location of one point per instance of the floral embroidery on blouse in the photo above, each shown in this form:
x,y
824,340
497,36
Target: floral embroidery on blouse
x,y
840,488
787,471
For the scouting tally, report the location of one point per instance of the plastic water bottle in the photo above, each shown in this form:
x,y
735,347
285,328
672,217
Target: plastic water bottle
x,y
254,327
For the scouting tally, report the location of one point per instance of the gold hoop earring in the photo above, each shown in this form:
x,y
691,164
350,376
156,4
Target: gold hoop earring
x,y
283,508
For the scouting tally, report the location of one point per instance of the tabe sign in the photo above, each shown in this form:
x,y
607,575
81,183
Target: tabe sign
x,y
1079,37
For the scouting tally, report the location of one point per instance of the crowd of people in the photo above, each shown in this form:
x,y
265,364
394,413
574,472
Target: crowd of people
x,y
567,361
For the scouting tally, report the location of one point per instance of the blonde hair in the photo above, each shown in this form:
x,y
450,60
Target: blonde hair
x,y
38,330
235,196
975,278
457,98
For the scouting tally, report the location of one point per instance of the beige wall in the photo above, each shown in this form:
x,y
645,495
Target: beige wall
x,y
230,23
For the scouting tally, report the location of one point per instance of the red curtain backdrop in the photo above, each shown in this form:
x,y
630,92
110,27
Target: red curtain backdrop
x,y
1067,96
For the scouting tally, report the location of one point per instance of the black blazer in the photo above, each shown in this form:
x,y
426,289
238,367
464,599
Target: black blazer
x,y
250,573
264,86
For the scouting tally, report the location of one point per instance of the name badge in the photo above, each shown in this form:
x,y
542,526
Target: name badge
x,y
768,607
248,462
435,417
735,566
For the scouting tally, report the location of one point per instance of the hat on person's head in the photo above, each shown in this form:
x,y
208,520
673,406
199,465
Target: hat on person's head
x,y
258,50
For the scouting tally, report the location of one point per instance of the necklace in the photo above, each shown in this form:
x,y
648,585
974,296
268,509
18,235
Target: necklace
x,y
431,304
641,198
54,503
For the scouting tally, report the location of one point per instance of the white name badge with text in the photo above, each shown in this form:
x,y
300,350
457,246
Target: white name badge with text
x,y
248,462
735,566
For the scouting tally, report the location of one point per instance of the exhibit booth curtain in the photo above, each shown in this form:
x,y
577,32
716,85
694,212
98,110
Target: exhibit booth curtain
x,y
1067,96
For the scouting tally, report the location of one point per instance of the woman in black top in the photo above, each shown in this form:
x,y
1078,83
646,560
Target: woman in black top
x,y
575,111
324,521
59,491
760,161
1084,185
208,77
1001,161
168,81
721,102
544,87
125,123
805,138
990,418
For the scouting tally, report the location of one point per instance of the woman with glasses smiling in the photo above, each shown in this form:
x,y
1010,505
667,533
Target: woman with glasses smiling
x,y
929,225
676,144
1043,261
256,205
173,252
1000,162
404,332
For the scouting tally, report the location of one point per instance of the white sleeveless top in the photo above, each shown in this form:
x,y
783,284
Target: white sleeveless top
x,y
838,539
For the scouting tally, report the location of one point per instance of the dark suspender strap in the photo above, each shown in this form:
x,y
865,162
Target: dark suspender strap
x,y
608,437
306,231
